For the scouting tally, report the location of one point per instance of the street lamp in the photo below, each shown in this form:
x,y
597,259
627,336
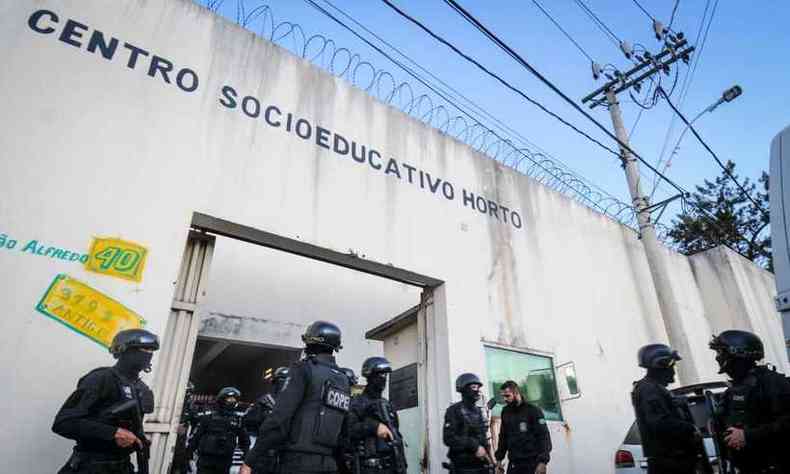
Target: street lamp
x,y
727,96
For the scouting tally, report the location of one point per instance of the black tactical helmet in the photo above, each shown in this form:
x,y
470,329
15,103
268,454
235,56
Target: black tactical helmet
x,y
657,356
323,333
465,380
133,339
227,392
375,365
352,377
280,374
738,345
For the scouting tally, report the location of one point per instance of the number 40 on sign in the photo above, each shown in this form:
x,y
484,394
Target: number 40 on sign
x,y
118,258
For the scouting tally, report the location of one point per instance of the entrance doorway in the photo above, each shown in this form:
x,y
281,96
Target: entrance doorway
x,y
219,363
246,300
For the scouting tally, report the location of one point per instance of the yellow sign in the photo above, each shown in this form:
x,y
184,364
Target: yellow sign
x,y
118,258
87,311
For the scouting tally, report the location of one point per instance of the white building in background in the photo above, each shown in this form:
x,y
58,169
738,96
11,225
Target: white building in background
x,y
133,133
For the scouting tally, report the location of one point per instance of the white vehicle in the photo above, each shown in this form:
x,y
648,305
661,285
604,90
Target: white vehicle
x,y
629,457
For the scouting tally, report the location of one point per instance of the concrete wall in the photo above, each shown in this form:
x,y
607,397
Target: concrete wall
x,y
94,147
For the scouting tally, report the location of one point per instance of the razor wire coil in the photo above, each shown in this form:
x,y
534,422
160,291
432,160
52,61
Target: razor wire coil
x,y
342,62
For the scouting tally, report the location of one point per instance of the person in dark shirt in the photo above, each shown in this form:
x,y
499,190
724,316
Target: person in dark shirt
x,y
180,463
308,424
756,406
105,440
264,405
523,435
466,429
373,424
217,435
670,438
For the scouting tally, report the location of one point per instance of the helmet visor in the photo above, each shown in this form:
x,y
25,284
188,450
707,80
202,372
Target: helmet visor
x,y
147,341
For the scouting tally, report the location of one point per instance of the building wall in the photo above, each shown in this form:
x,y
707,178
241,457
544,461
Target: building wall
x,y
94,147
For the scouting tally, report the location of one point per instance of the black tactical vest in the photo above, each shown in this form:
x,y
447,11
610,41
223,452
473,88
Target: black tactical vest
x,y
122,391
475,424
740,411
316,427
373,446
737,400
220,437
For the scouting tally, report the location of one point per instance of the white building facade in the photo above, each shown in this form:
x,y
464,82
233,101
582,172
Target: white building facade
x,y
145,144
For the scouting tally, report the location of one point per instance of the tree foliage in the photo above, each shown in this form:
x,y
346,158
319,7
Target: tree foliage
x,y
731,219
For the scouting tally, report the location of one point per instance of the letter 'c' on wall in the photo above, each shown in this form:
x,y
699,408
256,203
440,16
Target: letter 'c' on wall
x,y
34,22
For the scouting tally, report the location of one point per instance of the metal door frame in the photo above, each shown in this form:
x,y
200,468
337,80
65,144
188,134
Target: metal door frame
x,y
178,343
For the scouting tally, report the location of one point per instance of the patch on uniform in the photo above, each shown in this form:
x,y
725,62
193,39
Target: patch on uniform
x,y
739,398
522,427
336,398
542,421
447,425
127,391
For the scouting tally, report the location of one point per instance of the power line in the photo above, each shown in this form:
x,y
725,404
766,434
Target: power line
x,y
674,11
567,35
700,41
466,15
471,19
432,88
469,102
499,78
713,154
643,10
599,23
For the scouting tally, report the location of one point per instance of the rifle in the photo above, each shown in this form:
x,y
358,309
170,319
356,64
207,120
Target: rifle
x,y
114,414
717,431
382,414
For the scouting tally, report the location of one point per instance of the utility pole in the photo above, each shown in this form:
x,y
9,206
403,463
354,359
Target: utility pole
x,y
668,305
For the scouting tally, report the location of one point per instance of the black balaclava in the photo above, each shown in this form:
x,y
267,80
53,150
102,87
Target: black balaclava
x,y
469,396
737,369
318,349
225,405
664,376
133,361
376,384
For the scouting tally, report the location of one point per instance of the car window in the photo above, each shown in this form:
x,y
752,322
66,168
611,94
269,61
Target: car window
x,y
699,413
633,436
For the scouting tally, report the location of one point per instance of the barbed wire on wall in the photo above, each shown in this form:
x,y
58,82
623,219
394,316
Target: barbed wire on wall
x,y
384,86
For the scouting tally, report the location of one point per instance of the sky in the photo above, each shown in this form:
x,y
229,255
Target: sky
x,y
744,46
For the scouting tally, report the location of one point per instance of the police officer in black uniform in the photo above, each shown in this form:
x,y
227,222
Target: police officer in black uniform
x,y
524,436
180,463
466,430
352,377
373,425
267,463
262,407
309,421
218,433
94,415
755,409
670,439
